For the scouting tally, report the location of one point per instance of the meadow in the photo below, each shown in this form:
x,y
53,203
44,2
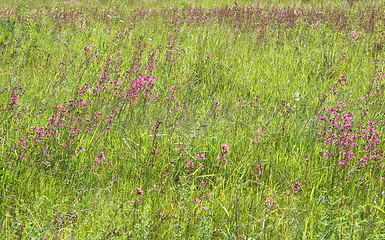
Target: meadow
x,y
192,120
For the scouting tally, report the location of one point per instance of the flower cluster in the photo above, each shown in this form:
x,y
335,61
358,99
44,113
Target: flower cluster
x,y
345,140
224,151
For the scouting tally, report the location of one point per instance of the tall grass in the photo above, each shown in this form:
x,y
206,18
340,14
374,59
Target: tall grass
x,y
179,120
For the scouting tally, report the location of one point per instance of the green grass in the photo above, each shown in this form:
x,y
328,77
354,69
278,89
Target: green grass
x,y
232,57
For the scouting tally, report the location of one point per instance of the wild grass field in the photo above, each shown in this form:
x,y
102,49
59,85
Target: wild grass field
x,y
192,120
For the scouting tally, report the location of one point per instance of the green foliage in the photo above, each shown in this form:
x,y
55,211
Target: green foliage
x,y
191,120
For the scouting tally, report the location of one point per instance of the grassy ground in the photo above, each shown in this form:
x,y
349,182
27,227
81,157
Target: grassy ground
x,y
192,120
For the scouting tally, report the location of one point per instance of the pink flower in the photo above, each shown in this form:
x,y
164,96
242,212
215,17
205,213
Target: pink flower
x,y
225,148
201,156
139,191
201,166
222,158
203,184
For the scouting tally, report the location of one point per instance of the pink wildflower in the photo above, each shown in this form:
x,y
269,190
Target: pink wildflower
x,y
139,191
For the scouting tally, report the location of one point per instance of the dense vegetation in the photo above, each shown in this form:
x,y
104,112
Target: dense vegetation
x,y
192,120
